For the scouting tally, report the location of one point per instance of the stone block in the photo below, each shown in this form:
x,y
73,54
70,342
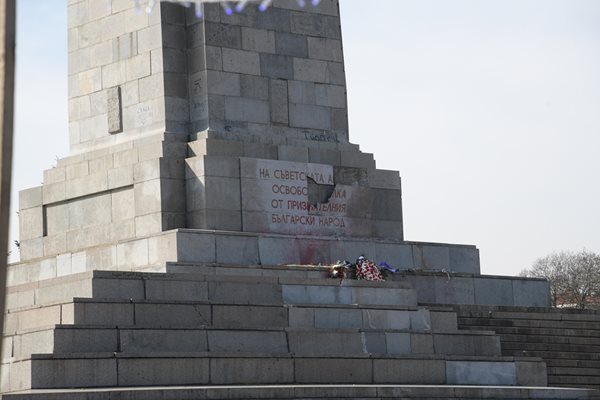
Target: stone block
x,y
55,244
54,192
87,185
102,314
279,102
254,87
101,54
89,81
241,61
310,70
67,340
276,66
241,250
385,319
232,341
163,371
159,315
310,343
214,58
302,92
120,177
398,343
60,373
529,293
339,121
292,153
31,223
37,318
381,296
248,317
291,45
122,205
212,166
258,40
335,73
161,341
481,373
307,116
150,38
357,160
148,197
255,370
330,96
30,343
304,294
223,83
30,198
431,257
454,290
324,318
445,321
420,320
325,49
118,288
244,293
223,35
396,255
315,370
176,290
132,254
406,371
138,67
464,259
421,343
247,110
196,247
531,374
54,175
467,345
497,292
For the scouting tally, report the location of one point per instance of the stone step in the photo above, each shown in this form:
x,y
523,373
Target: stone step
x,y
309,392
210,287
557,314
504,330
572,363
194,314
552,354
550,347
575,371
65,339
533,323
111,370
566,340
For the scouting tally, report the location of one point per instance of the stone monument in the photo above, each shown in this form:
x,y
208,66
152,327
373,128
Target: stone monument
x,y
217,150
231,123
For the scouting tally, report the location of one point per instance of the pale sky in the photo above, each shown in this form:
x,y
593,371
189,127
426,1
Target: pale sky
x,y
489,109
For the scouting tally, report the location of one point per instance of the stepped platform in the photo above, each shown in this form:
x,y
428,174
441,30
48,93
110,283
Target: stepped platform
x,y
308,392
567,340
226,325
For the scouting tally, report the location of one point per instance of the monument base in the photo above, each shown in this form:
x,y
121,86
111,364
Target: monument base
x,y
441,273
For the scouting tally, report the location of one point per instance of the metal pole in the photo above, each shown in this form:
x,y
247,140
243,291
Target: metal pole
x,y
7,89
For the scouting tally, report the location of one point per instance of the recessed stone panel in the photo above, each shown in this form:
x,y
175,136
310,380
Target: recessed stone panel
x,y
301,198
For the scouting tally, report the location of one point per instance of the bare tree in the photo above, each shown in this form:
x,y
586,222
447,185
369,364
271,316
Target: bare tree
x,y
574,277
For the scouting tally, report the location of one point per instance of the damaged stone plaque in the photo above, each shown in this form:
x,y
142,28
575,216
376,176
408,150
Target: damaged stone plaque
x,y
115,115
297,198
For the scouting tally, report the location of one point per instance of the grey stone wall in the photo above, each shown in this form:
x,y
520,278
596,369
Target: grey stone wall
x,y
280,72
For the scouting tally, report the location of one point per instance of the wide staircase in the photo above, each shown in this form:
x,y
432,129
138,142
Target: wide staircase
x,y
254,332
567,340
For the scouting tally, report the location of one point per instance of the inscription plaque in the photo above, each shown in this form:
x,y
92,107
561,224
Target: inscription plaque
x,y
300,198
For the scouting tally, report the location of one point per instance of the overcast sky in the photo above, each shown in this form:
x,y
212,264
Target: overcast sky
x,y
489,109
